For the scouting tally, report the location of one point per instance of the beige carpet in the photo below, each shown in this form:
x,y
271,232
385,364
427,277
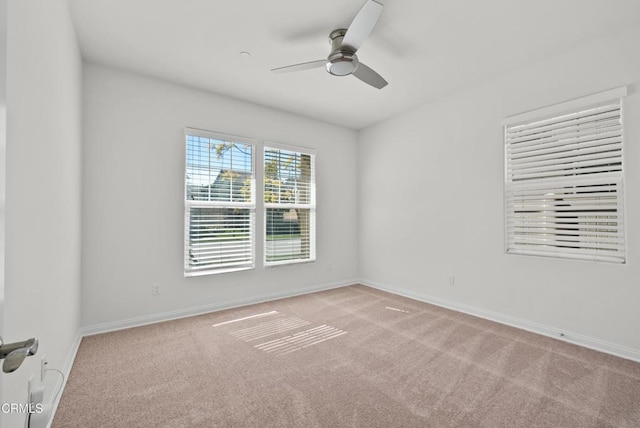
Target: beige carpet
x,y
350,357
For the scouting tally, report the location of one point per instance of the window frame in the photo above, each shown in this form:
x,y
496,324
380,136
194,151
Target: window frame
x,y
188,204
573,186
311,206
258,207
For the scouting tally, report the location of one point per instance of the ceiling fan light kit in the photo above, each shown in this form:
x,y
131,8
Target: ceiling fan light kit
x,y
342,60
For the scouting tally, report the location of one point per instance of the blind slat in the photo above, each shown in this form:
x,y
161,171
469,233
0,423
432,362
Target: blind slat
x,y
568,172
571,154
550,145
589,124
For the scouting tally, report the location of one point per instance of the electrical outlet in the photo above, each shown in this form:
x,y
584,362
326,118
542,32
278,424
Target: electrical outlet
x,y
155,289
43,366
451,279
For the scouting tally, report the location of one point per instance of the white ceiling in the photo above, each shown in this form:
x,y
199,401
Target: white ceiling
x,y
424,49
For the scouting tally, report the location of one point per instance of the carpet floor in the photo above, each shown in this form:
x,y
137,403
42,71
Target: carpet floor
x,y
349,357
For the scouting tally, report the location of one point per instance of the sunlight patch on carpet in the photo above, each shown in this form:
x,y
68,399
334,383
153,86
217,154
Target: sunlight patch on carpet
x,y
396,309
301,340
255,327
246,318
269,328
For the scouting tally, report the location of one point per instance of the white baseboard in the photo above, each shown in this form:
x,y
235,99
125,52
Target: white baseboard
x,y
203,309
66,370
534,327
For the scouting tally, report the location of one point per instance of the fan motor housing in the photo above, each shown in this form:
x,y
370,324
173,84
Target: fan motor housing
x,y
342,60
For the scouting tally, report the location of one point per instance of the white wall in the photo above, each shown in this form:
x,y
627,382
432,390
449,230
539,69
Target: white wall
x,y
431,204
133,191
3,154
42,270
3,149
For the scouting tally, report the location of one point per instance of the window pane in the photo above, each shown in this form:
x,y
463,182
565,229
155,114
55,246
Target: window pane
x,y
287,177
220,238
288,234
218,170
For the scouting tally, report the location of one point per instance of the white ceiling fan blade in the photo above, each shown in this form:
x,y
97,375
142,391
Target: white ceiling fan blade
x,y
369,76
302,66
362,24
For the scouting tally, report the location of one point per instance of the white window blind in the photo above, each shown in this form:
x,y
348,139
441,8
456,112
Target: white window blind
x,y
289,200
564,184
219,204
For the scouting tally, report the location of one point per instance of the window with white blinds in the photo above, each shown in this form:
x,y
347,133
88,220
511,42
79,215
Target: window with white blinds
x,y
564,182
289,201
219,204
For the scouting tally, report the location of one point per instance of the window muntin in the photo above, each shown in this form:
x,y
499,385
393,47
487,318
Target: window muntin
x,y
289,201
219,204
564,184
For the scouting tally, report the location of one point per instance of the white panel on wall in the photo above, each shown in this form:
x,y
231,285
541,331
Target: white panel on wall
x,y
43,218
133,199
431,201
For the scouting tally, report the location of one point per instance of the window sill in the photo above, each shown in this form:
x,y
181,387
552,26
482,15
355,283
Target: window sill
x,y
287,263
216,271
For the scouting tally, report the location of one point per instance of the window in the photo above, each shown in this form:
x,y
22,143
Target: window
x,y
289,201
564,180
219,204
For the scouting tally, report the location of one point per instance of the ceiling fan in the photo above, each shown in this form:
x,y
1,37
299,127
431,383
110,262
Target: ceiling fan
x,y
342,59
